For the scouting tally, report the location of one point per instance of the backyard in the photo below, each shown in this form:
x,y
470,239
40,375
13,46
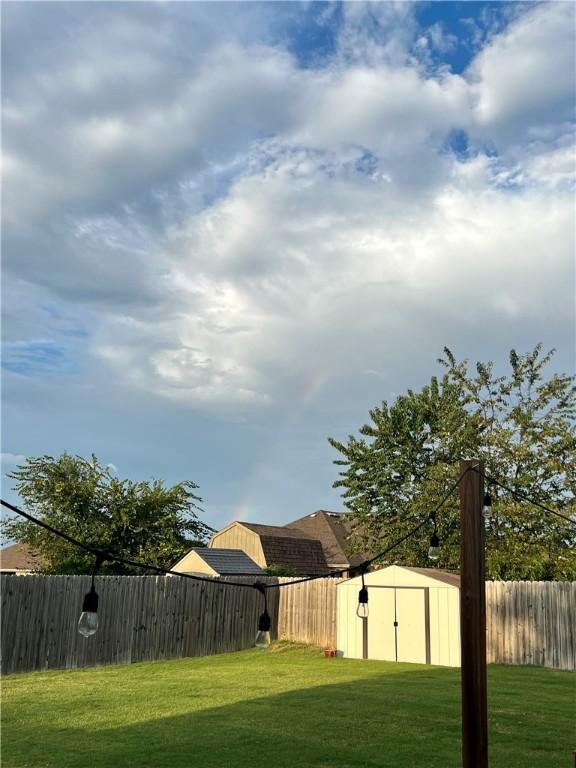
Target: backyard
x,y
288,707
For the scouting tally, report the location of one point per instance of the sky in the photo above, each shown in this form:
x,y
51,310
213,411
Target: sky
x,y
231,229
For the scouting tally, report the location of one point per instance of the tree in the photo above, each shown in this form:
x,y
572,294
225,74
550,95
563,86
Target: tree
x,y
279,570
141,521
521,424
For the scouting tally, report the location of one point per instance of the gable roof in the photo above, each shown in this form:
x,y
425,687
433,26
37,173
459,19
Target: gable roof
x,y
332,530
19,557
293,549
229,561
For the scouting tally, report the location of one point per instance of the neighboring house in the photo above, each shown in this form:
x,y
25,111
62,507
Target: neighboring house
x,y
18,559
203,561
332,531
274,545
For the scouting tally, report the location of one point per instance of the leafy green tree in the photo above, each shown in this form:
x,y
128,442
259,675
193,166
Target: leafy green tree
x,y
141,521
521,424
279,570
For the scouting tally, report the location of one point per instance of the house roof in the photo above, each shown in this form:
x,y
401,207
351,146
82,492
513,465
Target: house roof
x,y
293,549
19,557
332,530
275,530
229,561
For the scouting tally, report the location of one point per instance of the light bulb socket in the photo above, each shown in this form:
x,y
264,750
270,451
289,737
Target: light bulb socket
x,y
434,541
90,604
363,596
487,500
264,622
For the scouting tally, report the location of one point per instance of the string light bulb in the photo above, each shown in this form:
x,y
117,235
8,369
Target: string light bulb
x,y
263,635
362,609
487,504
434,548
88,622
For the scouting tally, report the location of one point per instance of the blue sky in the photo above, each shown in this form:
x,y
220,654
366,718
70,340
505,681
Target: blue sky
x,y
230,229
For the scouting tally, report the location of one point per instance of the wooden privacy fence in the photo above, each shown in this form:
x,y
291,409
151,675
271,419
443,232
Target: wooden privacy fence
x,y
141,618
531,622
145,618
307,612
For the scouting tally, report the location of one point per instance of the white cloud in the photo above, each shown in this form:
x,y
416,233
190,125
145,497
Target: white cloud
x,y
236,221
298,268
11,459
524,80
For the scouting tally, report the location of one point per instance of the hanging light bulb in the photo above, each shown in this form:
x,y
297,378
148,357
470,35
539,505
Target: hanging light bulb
x,y
362,609
263,635
434,549
88,622
487,504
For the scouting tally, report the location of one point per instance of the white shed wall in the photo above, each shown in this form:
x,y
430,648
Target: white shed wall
x,y
349,626
445,626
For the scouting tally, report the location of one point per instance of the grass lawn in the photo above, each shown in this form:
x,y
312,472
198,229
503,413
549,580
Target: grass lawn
x,y
285,708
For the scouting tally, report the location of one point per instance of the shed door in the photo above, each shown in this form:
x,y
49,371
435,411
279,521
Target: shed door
x,y
381,632
411,629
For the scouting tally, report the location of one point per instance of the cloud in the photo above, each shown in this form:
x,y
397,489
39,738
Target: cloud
x,y
232,222
306,255
11,459
524,79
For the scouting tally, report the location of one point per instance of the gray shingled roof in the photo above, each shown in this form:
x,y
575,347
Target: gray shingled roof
x,y
229,561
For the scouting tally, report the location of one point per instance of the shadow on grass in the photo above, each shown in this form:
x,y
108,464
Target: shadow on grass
x,y
398,720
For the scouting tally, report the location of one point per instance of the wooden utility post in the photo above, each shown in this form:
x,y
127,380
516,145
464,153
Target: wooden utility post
x,y
473,617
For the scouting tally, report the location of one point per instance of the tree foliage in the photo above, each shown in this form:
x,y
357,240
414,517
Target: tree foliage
x,y
141,521
522,425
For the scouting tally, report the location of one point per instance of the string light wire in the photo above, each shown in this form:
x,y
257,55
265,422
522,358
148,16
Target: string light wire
x,y
104,555
100,553
523,497
112,557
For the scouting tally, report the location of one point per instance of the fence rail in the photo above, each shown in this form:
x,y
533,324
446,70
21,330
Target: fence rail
x,y
145,618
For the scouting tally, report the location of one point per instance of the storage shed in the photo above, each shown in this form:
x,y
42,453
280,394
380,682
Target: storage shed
x,y
413,616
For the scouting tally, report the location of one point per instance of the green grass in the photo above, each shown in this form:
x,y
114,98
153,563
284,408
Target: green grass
x,y
285,708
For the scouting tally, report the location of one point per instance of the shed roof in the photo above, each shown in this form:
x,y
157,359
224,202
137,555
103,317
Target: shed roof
x,y
391,573
448,577
229,561
19,557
